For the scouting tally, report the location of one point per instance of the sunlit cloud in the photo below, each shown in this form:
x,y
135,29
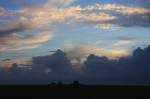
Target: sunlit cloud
x,y
2,11
94,17
7,63
15,42
109,27
26,47
103,16
116,53
60,2
77,51
42,15
46,15
16,25
124,41
126,10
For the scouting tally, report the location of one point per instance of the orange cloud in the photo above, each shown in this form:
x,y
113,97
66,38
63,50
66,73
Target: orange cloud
x,y
42,15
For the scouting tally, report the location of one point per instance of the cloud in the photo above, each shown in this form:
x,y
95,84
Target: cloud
x,y
21,24
109,26
15,42
7,63
78,51
26,47
58,64
115,53
127,70
60,2
103,16
132,69
125,10
94,17
42,15
126,15
2,11
45,15
124,41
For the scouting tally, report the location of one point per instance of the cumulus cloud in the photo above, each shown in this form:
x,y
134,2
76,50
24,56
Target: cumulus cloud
x,y
132,69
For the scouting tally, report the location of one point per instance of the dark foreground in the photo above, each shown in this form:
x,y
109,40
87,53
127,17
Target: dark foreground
x,y
75,92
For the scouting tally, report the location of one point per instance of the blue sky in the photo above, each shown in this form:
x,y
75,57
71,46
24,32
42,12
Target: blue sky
x,y
111,28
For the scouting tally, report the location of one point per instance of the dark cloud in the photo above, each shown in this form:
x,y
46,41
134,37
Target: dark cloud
x,y
17,25
133,69
142,20
57,62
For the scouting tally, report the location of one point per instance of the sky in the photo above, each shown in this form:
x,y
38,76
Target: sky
x,y
32,28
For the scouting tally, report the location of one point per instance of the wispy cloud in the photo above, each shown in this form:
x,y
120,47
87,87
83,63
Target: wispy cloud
x,y
124,41
15,42
122,9
62,3
102,16
7,63
109,26
2,11
76,51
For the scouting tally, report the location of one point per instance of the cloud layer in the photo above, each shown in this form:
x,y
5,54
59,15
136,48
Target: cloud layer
x,y
102,16
132,69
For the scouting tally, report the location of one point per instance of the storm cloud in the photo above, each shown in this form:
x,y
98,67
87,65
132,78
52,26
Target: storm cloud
x,y
132,69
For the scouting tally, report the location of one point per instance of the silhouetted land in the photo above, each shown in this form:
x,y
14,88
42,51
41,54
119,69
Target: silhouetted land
x,y
75,91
